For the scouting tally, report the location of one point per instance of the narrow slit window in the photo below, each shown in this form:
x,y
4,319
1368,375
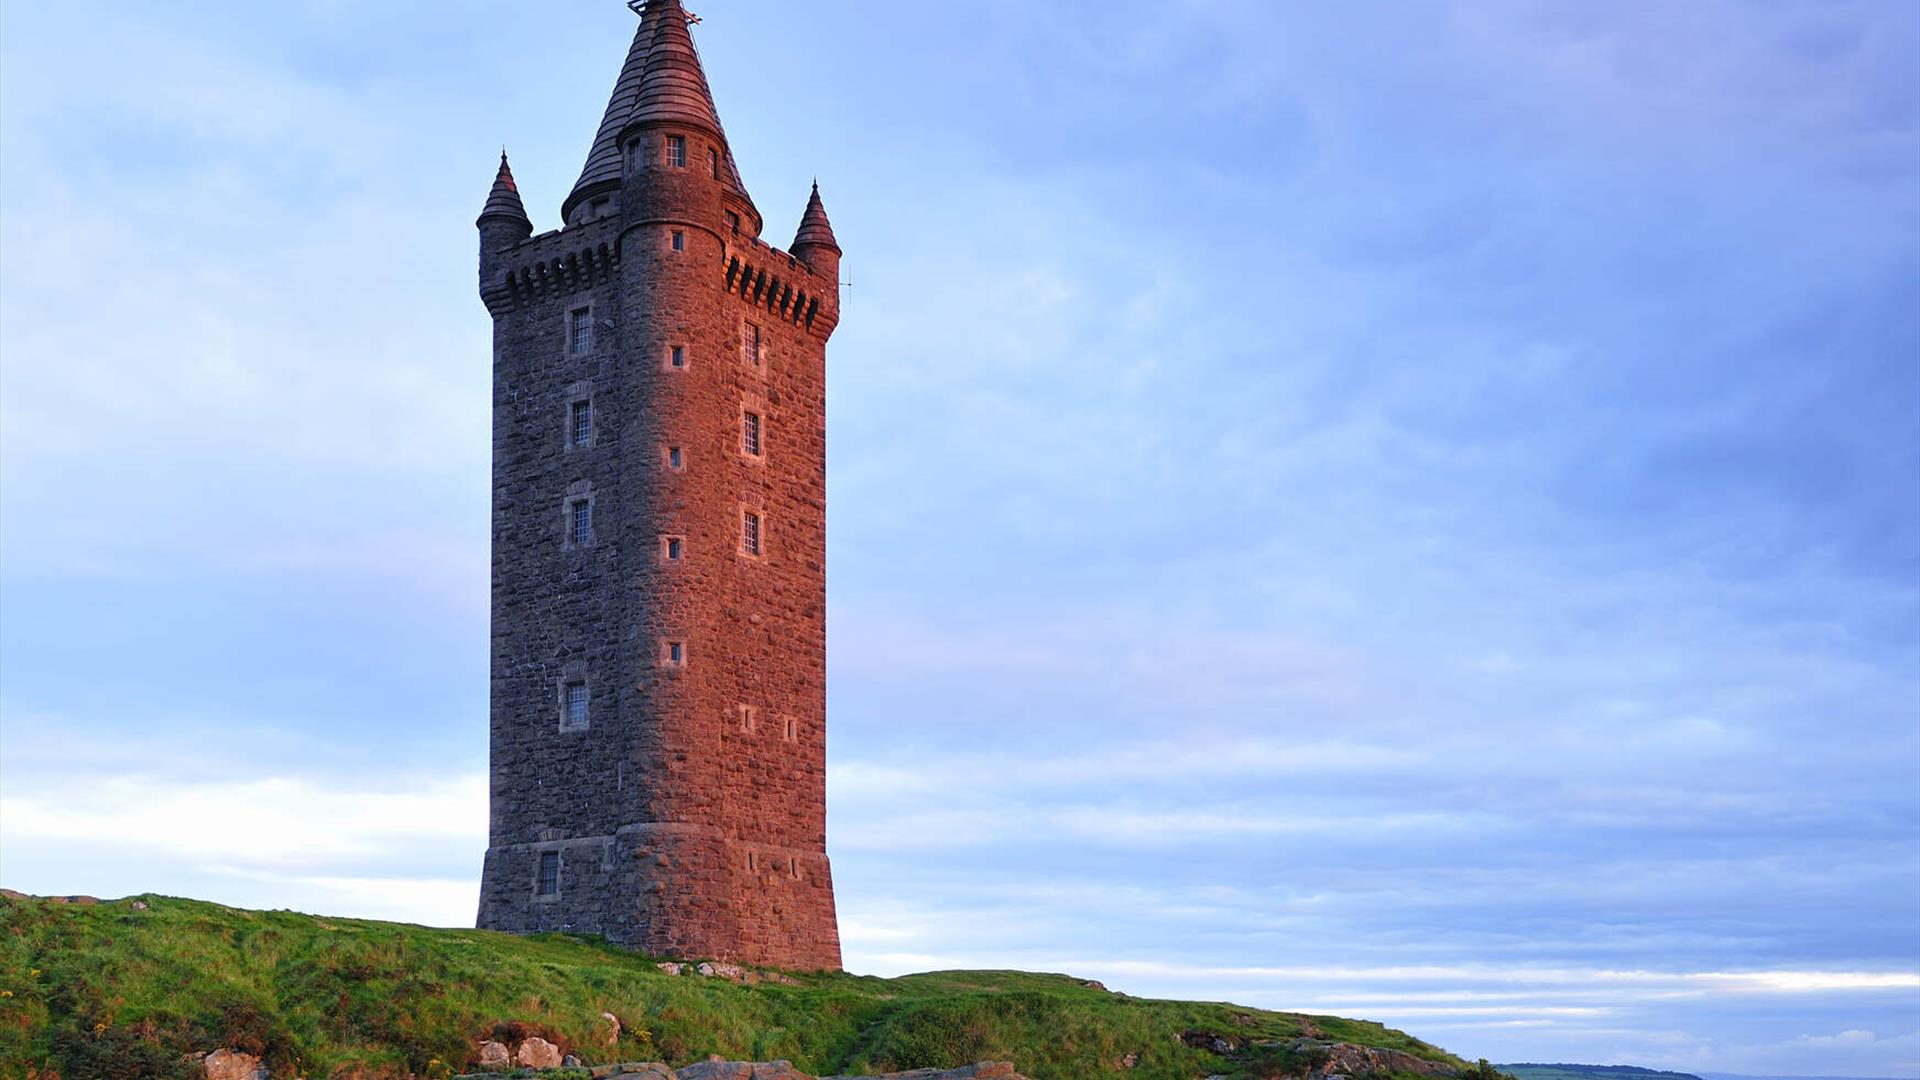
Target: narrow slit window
x,y
791,731
753,863
580,331
750,343
577,699
793,869
750,434
677,151
580,521
679,356
549,873
713,162
733,222
750,533
674,653
679,240
746,720
675,459
674,548
582,425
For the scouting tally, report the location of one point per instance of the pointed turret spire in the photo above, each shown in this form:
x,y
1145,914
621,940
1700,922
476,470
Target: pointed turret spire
x,y
662,81
504,201
815,229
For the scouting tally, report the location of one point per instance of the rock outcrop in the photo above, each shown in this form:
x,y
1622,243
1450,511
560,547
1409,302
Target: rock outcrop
x,y
782,1070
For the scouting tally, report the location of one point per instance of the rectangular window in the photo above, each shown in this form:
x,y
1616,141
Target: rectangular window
x,y
677,151
733,222
675,460
580,331
793,869
713,162
750,533
679,240
580,522
750,343
750,434
679,356
582,426
673,547
677,653
549,873
576,707
746,719
791,730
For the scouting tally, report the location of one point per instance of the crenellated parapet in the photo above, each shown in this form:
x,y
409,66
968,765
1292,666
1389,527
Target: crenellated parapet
x,y
783,286
553,265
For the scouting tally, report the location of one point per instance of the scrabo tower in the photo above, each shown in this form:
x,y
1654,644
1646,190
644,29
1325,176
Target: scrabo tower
x,y
659,543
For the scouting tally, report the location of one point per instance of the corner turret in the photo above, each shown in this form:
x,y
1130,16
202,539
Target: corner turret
x,y
814,244
503,222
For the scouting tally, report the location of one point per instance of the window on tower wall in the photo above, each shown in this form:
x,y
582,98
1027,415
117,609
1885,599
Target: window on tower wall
x,y
580,331
750,434
580,430
677,151
713,162
679,240
733,222
580,522
575,718
750,343
679,356
750,533
549,884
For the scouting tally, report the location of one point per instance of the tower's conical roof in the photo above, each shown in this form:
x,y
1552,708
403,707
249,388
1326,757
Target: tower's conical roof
x,y
661,82
815,229
504,200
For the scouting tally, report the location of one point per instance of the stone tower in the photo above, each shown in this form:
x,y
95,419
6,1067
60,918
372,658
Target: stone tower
x,y
659,542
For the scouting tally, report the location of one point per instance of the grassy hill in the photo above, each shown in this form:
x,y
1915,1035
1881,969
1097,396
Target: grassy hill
x,y
115,991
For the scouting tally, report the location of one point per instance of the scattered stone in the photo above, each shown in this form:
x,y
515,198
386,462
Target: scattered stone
x,y
495,1055
633,1071
1094,984
1345,1059
740,1070
1128,1061
571,1062
1208,1040
729,972
612,1037
986,1070
672,969
233,1065
538,1053
139,905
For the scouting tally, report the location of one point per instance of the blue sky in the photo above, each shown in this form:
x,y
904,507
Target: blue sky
x,y
1400,510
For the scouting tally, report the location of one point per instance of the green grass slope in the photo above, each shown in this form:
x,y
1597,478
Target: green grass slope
x,y
110,992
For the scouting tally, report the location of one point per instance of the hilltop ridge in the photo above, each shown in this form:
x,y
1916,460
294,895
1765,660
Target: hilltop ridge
x,y
148,985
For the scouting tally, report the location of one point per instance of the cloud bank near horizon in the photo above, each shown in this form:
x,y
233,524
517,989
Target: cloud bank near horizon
x,y
1412,517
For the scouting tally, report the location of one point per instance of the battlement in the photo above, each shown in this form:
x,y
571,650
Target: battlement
x,y
553,264
771,279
